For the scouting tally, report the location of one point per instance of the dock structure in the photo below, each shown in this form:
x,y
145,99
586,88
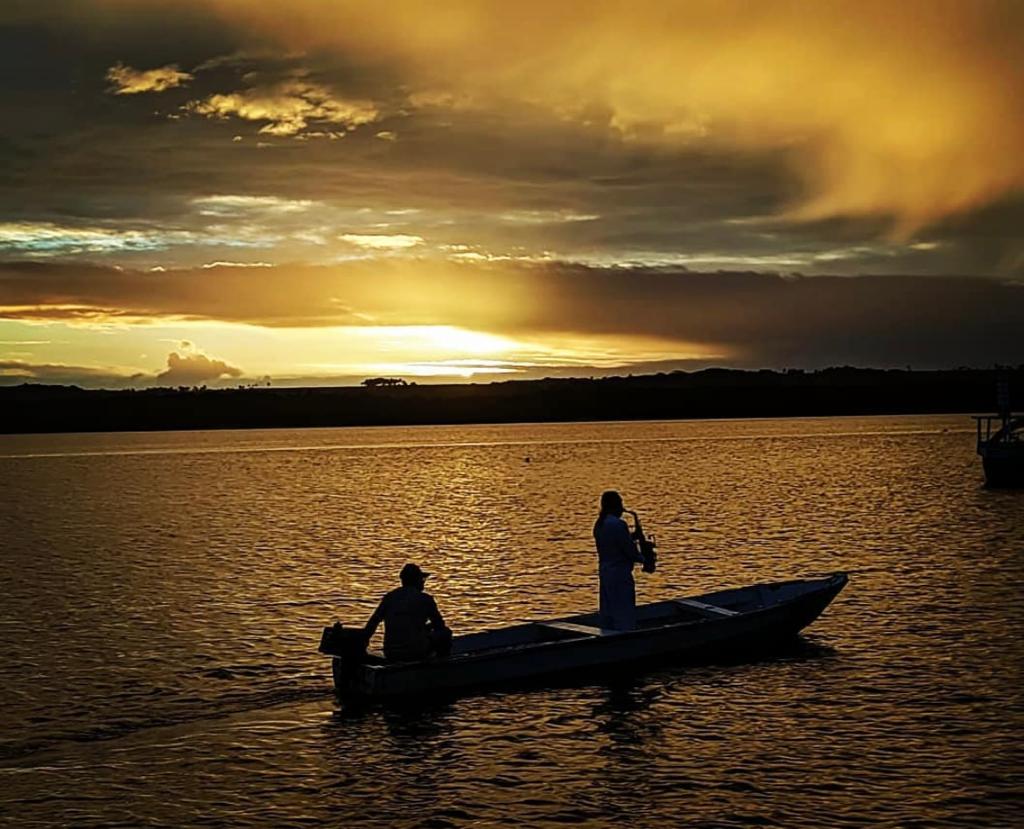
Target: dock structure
x,y
1000,442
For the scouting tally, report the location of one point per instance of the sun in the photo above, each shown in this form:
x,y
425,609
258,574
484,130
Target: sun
x,y
442,342
469,343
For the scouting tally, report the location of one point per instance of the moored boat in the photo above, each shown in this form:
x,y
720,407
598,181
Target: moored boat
x,y
1001,441
1002,449
744,618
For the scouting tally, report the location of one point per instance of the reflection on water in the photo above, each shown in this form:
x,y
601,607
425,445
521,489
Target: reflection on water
x,y
163,595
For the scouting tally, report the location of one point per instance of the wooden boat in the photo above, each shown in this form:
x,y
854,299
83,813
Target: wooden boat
x,y
749,617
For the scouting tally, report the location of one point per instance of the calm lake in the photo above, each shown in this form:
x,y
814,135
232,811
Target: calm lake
x,y
162,594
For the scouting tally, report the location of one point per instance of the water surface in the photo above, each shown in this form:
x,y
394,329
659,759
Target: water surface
x,y
163,595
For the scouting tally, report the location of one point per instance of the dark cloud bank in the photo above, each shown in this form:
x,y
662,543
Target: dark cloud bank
x,y
748,319
183,369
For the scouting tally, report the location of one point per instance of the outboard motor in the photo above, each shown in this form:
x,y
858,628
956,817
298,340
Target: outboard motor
x,y
348,647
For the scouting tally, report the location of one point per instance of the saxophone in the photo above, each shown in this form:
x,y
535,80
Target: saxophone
x,y
647,545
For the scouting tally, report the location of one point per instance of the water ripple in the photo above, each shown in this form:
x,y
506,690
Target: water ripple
x,y
164,594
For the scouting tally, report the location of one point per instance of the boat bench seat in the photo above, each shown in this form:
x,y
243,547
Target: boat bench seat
x,y
574,628
709,610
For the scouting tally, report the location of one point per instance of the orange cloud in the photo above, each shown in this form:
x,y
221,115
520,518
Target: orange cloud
x,y
908,110
191,366
382,241
756,318
128,81
287,108
13,372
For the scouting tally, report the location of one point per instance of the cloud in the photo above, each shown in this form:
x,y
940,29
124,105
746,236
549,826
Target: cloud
x,y
15,372
749,319
502,176
193,367
47,239
381,241
128,81
189,368
908,110
233,205
287,108
542,217
222,264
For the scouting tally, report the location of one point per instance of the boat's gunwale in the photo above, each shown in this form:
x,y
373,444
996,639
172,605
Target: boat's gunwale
x,y
491,653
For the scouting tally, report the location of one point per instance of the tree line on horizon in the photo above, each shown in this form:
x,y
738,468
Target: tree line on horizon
x,y
711,393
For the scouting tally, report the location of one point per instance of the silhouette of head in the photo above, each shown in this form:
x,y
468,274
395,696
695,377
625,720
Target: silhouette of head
x,y
413,576
611,503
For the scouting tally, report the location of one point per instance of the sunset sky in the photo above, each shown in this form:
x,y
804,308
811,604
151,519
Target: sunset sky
x,y
317,191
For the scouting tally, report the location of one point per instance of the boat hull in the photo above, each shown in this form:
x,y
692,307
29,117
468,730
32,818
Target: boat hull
x,y
1002,451
1004,470
717,631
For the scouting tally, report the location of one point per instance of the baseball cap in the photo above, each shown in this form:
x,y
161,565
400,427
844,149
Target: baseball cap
x,y
412,573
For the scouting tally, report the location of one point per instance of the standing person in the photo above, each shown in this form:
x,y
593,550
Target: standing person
x,y
617,552
413,626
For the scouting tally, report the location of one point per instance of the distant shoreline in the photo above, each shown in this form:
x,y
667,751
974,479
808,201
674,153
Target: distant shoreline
x,y
708,394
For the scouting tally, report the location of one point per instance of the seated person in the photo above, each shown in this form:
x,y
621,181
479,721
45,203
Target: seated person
x,y
413,626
